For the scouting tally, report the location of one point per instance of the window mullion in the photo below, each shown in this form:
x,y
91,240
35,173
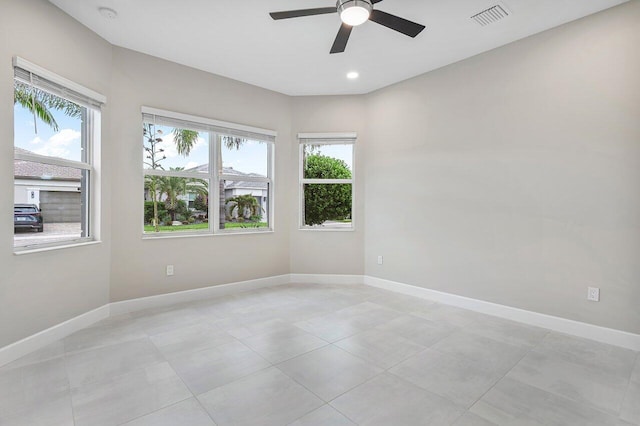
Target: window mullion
x,y
54,161
326,181
312,144
63,190
238,184
216,179
175,173
245,178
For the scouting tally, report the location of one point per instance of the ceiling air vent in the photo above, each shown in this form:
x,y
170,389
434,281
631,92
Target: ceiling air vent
x,y
491,15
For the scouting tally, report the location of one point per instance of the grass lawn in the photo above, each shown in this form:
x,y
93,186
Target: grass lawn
x,y
205,226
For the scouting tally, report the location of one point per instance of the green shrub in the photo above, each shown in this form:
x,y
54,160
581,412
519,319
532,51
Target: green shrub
x,y
163,215
324,202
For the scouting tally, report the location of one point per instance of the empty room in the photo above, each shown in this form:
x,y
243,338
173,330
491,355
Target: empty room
x,y
310,212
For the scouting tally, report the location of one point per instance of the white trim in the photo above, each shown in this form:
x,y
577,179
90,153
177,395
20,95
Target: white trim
x,y
245,231
43,338
55,78
345,135
177,173
39,340
209,121
166,299
326,139
186,234
55,161
326,279
237,178
306,181
19,251
563,325
323,228
214,176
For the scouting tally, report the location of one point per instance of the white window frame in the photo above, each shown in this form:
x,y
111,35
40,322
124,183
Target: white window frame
x,y
92,101
216,130
347,138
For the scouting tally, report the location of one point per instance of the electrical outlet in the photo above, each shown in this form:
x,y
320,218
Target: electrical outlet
x,y
169,270
380,260
593,294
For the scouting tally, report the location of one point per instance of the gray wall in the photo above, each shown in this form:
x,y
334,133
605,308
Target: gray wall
x,y
510,177
138,266
44,289
328,252
514,176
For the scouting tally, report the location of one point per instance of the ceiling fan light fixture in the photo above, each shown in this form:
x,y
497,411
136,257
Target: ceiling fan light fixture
x,y
354,12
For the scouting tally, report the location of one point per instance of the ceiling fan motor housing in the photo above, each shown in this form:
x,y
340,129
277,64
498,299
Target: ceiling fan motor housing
x,y
354,12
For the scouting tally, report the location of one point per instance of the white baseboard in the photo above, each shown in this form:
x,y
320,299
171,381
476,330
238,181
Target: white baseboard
x,y
43,338
326,279
563,325
39,340
167,299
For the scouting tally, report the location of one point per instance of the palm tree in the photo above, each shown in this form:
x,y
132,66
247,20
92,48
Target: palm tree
x,y
40,104
230,142
173,187
243,204
184,140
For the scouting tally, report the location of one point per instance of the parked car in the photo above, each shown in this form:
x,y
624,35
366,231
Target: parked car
x,y
27,216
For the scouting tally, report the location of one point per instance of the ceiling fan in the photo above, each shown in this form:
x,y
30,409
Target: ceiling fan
x,y
354,13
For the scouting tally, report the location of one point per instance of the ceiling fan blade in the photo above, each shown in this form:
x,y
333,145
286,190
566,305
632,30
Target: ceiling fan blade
x,y
302,12
342,38
375,1
397,23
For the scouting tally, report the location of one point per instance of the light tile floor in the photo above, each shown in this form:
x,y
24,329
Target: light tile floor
x,y
320,355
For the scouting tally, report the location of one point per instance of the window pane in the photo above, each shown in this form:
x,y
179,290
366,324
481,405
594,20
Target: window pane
x,y
168,148
244,204
328,161
53,127
175,204
244,156
327,205
49,203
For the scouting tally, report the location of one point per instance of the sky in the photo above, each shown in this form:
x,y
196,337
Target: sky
x,y
250,158
66,143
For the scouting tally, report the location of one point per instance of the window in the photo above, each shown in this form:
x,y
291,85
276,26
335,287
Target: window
x,y
203,176
56,134
326,181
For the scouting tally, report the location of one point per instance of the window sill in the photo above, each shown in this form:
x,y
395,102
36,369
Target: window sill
x,y
21,252
328,229
167,236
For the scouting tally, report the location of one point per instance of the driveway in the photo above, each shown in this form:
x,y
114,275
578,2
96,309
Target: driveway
x,y
53,232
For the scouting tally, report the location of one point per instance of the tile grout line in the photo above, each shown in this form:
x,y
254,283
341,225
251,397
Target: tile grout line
x,y
626,393
66,372
156,410
182,381
508,371
595,407
65,355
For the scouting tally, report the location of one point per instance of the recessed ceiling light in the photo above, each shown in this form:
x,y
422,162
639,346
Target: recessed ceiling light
x,y
353,75
108,13
354,12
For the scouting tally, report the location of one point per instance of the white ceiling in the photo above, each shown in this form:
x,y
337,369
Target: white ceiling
x,y
239,40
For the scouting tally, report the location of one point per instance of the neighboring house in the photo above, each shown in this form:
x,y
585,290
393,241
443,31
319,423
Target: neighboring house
x,y
55,189
232,188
